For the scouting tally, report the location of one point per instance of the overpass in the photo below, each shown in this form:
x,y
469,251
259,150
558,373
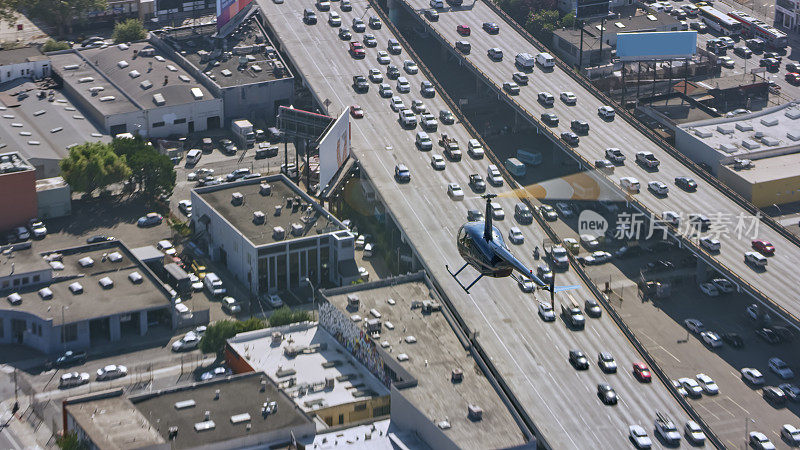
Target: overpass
x,y
733,218
530,355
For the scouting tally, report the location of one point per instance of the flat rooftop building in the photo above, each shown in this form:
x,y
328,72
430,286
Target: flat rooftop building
x,y
769,138
136,88
242,66
18,202
225,413
271,235
78,297
313,369
414,330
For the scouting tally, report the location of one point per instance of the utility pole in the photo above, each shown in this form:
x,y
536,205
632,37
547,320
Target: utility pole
x,y
580,54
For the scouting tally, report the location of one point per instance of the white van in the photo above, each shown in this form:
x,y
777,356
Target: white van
x,y
525,61
213,284
424,141
756,259
403,86
193,156
630,184
545,60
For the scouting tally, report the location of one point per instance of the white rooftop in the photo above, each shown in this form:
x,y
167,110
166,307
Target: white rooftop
x,y
770,132
318,357
380,435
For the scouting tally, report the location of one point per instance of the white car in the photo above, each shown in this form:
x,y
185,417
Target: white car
x,y
759,441
515,236
437,162
111,372
679,387
383,57
752,376
216,373
546,312
525,284
756,259
410,67
73,379
709,289
188,342
780,368
361,240
723,285
375,76
710,244
418,107
275,301
639,437
166,247
497,211
711,339
606,112
230,306
791,435
694,433
692,387
564,209
569,98
589,242
658,187
185,206
334,19
671,217
454,191
475,149
596,258
630,184
694,325
397,104
708,385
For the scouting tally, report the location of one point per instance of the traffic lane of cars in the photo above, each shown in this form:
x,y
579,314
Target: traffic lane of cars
x,y
507,284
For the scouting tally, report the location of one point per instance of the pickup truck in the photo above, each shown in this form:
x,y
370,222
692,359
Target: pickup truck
x,y
647,159
451,148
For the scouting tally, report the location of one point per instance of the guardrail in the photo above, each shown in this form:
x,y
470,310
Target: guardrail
x,y
546,226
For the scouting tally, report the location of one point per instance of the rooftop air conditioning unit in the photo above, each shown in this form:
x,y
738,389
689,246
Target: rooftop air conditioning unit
x,y
158,99
259,217
237,198
750,144
744,126
278,233
265,189
197,93
278,210
134,73
122,64
297,229
769,121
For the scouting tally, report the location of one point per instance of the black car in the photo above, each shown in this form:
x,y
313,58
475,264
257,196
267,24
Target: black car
x,y
70,358
606,394
99,238
774,395
773,55
579,126
491,27
771,64
474,215
476,183
402,174
394,47
784,333
743,51
686,183
769,336
592,308
578,360
755,44
432,15
446,117
733,339
392,72
550,119
793,67
375,23
570,137
360,83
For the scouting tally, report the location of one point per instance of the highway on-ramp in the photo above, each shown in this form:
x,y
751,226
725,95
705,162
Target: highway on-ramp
x,y
530,355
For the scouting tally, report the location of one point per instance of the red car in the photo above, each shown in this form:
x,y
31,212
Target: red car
x,y
463,30
357,50
793,78
641,372
764,247
356,112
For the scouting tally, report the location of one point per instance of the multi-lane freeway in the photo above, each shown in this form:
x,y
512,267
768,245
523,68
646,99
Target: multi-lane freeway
x,y
733,225
531,355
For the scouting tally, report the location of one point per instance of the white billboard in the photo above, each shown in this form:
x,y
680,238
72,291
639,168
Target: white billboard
x,y
334,148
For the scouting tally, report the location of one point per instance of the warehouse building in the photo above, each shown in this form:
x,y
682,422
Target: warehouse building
x,y
79,297
271,235
241,67
18,187
134,88
756,154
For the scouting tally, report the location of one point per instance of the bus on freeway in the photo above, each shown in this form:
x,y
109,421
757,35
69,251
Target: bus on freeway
x,y
751,26
720,21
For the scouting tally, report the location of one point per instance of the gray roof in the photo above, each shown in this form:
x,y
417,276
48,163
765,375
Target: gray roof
x,y
238,394
641,22
248,40
784,167
313,221
114,70
19,55
436,352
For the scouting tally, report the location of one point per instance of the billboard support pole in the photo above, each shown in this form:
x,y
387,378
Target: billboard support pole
x,y
655,72
580,55
602,26
623,84
638,77
685,75
308,168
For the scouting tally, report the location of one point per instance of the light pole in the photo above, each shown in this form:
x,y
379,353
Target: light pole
x,y
313,293
747,430
63,329
780,213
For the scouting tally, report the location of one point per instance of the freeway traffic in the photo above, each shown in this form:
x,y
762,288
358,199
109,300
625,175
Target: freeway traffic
x,y
734,226
530,354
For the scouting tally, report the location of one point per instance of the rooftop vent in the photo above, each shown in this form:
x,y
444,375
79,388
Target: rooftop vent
x,y
185,404
750,144
184,78
474,412
725,129
15,299
106,282
146,84
744,126
793,114
76,288
256,68
240,418
158,58
727,148
45,293
793,135
115,257
122,64
702,133
456,376
135,277
769,140
197,93
134,73
108,98
769,121
226,72
204,426
172,68
86,262
85,80
237,198
158,99
71,67
259,217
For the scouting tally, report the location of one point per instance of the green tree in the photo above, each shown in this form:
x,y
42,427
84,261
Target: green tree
x,y
542,23
70,441
151,171
568,20
61,13
285,316
130,30
213,341
8,10
53,45
92,166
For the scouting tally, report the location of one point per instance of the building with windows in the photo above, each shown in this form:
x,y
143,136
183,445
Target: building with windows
x,y
135,88
242,66
271,235
25,62
787,13
79,297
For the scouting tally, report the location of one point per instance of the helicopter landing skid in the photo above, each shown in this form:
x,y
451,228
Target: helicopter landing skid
x,y
455,277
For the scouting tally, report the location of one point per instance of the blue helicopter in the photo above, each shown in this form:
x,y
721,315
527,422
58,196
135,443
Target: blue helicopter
x,y
482,247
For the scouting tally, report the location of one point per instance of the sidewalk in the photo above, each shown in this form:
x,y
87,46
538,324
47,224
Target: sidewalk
x,y
17,431
30,33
